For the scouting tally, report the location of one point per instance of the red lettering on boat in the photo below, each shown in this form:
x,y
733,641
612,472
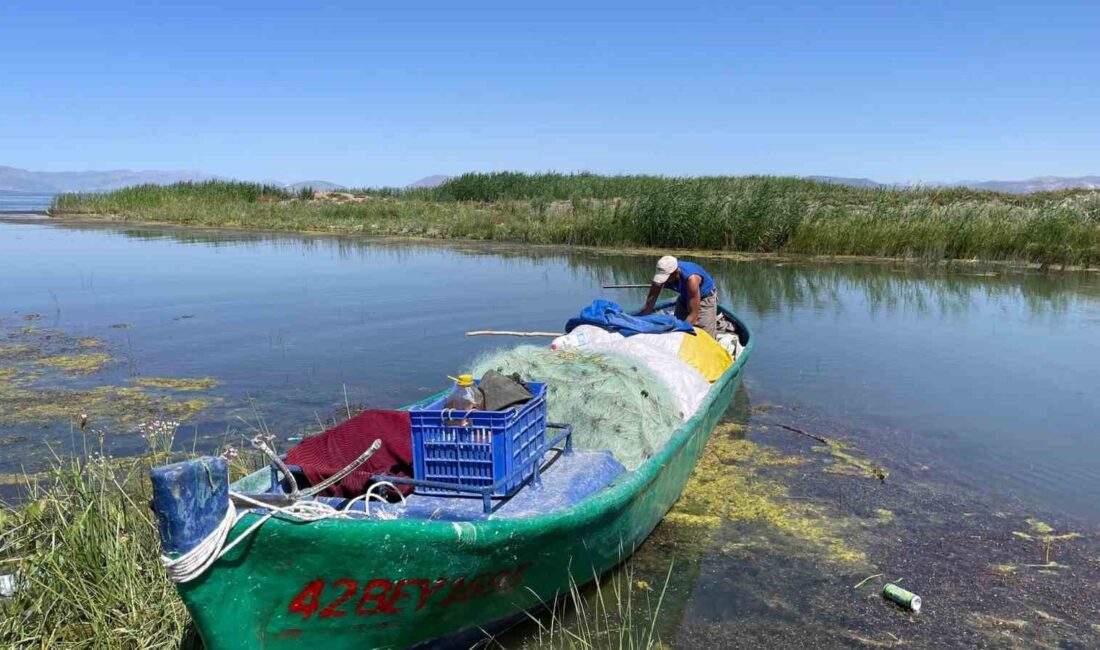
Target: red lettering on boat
x,y
383,596
517,575
306,602
398,591
380,599
457,587
479,586
350,587
427,591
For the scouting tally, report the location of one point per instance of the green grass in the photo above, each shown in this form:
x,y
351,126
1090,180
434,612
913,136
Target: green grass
x,y
760,214
85,551
84,548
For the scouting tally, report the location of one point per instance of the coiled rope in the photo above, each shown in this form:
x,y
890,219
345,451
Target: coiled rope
x,y
195,562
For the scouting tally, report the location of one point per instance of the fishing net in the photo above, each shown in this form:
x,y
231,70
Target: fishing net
x,y
613,401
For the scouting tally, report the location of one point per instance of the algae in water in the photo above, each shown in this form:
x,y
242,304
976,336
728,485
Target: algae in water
x,y
179,384
728,483
82,364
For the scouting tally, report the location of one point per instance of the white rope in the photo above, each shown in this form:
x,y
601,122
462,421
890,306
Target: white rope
x,y
195,562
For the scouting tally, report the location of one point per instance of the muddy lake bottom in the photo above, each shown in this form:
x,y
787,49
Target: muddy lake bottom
x,y
982,569
958,410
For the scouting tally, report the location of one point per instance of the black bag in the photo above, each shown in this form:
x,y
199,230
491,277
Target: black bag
x,y
502,391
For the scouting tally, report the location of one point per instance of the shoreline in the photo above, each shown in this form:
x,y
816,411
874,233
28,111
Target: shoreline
x,y
726,217
101,219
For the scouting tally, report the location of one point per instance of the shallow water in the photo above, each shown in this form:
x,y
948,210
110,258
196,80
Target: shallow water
x,y
981,384
24,201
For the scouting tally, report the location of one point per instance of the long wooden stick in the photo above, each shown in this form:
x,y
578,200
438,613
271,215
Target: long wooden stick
x,y
626,286
507,333
805,433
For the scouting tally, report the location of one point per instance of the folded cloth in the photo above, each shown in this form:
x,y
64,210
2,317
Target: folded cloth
x,y
325,454
611,317
502,391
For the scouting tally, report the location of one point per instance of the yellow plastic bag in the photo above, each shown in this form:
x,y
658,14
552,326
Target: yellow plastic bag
x,y
705,354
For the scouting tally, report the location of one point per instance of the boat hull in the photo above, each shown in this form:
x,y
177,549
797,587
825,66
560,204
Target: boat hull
x,y
393,584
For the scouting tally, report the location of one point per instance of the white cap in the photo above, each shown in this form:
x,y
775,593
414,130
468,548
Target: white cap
x,y
666,266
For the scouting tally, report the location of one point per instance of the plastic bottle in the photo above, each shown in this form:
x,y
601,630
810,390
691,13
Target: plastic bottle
x,y
569,341
464,397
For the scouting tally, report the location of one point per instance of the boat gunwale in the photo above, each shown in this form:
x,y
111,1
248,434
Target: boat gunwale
x,y
608,500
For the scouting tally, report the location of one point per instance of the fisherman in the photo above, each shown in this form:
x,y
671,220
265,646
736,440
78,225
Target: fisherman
x,y
698,301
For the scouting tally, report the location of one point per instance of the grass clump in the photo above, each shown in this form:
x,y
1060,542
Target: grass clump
x,y
620,612
83,549
749,213
84,553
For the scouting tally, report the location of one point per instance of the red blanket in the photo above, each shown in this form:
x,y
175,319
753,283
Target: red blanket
x,y
327,453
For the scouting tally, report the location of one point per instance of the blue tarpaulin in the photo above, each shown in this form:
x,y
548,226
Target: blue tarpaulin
x,y
611,317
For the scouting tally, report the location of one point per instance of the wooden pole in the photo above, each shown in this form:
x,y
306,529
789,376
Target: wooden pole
x,y
508,333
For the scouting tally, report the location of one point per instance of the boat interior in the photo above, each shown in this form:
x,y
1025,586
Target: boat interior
x,y
564,481
565,478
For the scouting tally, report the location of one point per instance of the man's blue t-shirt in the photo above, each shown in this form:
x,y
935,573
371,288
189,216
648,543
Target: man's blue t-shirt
x,y
688,269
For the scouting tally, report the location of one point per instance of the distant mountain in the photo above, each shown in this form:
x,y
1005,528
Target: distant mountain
x,y
1040,184
840,180
14,179
317,186
22,180
429,182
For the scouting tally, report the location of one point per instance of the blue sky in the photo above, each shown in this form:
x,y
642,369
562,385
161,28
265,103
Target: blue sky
x,y
368,92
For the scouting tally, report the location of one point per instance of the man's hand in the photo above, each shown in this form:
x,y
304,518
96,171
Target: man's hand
x,y
651,300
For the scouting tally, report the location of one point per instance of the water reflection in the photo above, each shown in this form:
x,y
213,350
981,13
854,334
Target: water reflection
x,y
757,287
990,366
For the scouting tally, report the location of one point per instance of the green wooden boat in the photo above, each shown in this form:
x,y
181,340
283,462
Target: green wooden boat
x,y
341,583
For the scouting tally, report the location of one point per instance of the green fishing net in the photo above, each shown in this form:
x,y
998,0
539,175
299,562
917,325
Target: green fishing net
x,y
612,401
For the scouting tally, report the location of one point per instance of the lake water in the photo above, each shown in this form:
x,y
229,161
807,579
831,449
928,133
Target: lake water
x,y
24,201
989,378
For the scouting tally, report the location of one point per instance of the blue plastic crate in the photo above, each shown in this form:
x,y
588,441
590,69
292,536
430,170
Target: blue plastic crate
x,y
487,451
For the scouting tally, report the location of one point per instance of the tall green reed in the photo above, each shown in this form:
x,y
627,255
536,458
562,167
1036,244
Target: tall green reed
x,y
750,213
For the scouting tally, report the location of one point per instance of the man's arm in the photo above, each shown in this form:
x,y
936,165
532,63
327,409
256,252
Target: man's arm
x,y
651,300
693,283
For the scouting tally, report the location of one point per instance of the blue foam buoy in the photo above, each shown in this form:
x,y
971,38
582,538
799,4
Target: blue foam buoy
x,y
190,500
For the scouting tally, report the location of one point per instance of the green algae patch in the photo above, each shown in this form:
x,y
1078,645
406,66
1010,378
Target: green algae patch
x,y
7,375
883,517
15,479
728,483
848,464
988,621
33,390
683,536
80,364
126,405
1040,527
1046,537
15,351
1004,569
178,384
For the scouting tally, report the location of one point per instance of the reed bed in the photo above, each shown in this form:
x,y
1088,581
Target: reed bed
x,y
753,214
